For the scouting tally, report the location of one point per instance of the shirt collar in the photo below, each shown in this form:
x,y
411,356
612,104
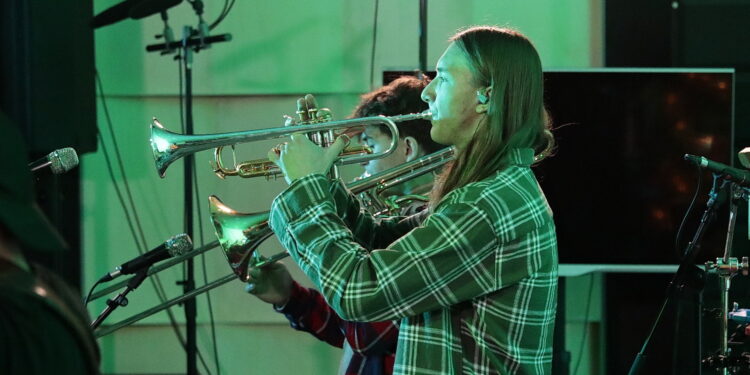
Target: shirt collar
x,y
521,156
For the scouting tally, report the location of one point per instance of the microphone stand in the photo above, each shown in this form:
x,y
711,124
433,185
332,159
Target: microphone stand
x,y
727,267
192,41
422,37
687,275
121,299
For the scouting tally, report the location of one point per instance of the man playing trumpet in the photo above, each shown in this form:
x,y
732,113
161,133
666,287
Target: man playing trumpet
x,y
369,348
475,282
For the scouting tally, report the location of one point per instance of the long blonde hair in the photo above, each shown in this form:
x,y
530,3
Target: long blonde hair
x,y
506,61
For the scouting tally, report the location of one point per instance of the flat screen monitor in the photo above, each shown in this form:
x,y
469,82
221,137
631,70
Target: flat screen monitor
x,y
617,183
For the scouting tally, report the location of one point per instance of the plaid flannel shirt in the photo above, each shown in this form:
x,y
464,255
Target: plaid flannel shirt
x,y
474,284
373,345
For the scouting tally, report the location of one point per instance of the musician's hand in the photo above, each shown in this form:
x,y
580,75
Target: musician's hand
x,y
272,283
300,157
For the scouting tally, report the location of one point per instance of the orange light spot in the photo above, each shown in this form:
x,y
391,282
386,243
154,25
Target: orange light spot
x,y
658,214
671,98
706,142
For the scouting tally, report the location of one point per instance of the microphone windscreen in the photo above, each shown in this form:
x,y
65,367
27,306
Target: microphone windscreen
x,y
179,244
63,160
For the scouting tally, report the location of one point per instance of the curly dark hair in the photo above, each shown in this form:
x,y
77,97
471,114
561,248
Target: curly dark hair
x,y
400,97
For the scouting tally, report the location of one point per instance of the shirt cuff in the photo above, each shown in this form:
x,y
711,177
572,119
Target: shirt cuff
x,y
296,304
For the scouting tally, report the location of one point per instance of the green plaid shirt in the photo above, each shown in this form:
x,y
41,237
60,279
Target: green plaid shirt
x,y
474,283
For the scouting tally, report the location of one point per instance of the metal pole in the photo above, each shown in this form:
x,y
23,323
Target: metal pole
x,y
422,36
188,284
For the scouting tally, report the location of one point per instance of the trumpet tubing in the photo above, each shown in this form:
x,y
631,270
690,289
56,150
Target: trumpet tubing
x,y
167,147
404,172
240,234
264,167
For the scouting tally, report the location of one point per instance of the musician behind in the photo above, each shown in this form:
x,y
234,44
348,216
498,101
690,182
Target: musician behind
x,y
369,348
394,99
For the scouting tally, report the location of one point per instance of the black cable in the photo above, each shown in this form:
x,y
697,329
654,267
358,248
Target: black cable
x,y
220,17
91,291
677,245
374,43
585,324
228,4
118,159
124,207
118,193
155,282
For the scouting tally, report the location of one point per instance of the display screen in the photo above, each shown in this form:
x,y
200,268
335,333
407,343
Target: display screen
x,y
617,183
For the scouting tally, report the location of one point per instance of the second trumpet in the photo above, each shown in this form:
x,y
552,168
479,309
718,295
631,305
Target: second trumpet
x,y
264,167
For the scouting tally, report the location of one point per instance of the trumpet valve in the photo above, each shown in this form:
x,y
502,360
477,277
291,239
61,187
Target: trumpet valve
x,y
356,150
258,168
303,116
323,115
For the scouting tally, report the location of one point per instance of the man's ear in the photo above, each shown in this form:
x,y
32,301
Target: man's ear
x,y
413,150
483,99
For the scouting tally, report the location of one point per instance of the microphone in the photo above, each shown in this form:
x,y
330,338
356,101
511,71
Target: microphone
x,y
59,161
146,8
113,14
135,9
738,176
744,157
173,247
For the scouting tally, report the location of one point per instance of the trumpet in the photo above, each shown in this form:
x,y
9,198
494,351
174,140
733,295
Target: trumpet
x,y
240,234
264,167
167,147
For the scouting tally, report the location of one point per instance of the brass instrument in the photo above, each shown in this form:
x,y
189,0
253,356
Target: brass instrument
x,y
168,147
264,167
241,234
268,169
391,205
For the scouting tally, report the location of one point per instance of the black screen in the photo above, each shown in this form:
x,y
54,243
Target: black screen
x,y
617,183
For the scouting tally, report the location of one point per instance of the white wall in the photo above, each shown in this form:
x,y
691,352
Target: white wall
x,y
280,50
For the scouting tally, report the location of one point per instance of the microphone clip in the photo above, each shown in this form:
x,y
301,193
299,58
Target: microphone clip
x,y
167,35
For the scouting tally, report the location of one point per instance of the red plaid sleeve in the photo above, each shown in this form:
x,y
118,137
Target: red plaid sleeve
x,y
308,311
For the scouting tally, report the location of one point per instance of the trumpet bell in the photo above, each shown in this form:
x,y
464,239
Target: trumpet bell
x,y
239,234
163,147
